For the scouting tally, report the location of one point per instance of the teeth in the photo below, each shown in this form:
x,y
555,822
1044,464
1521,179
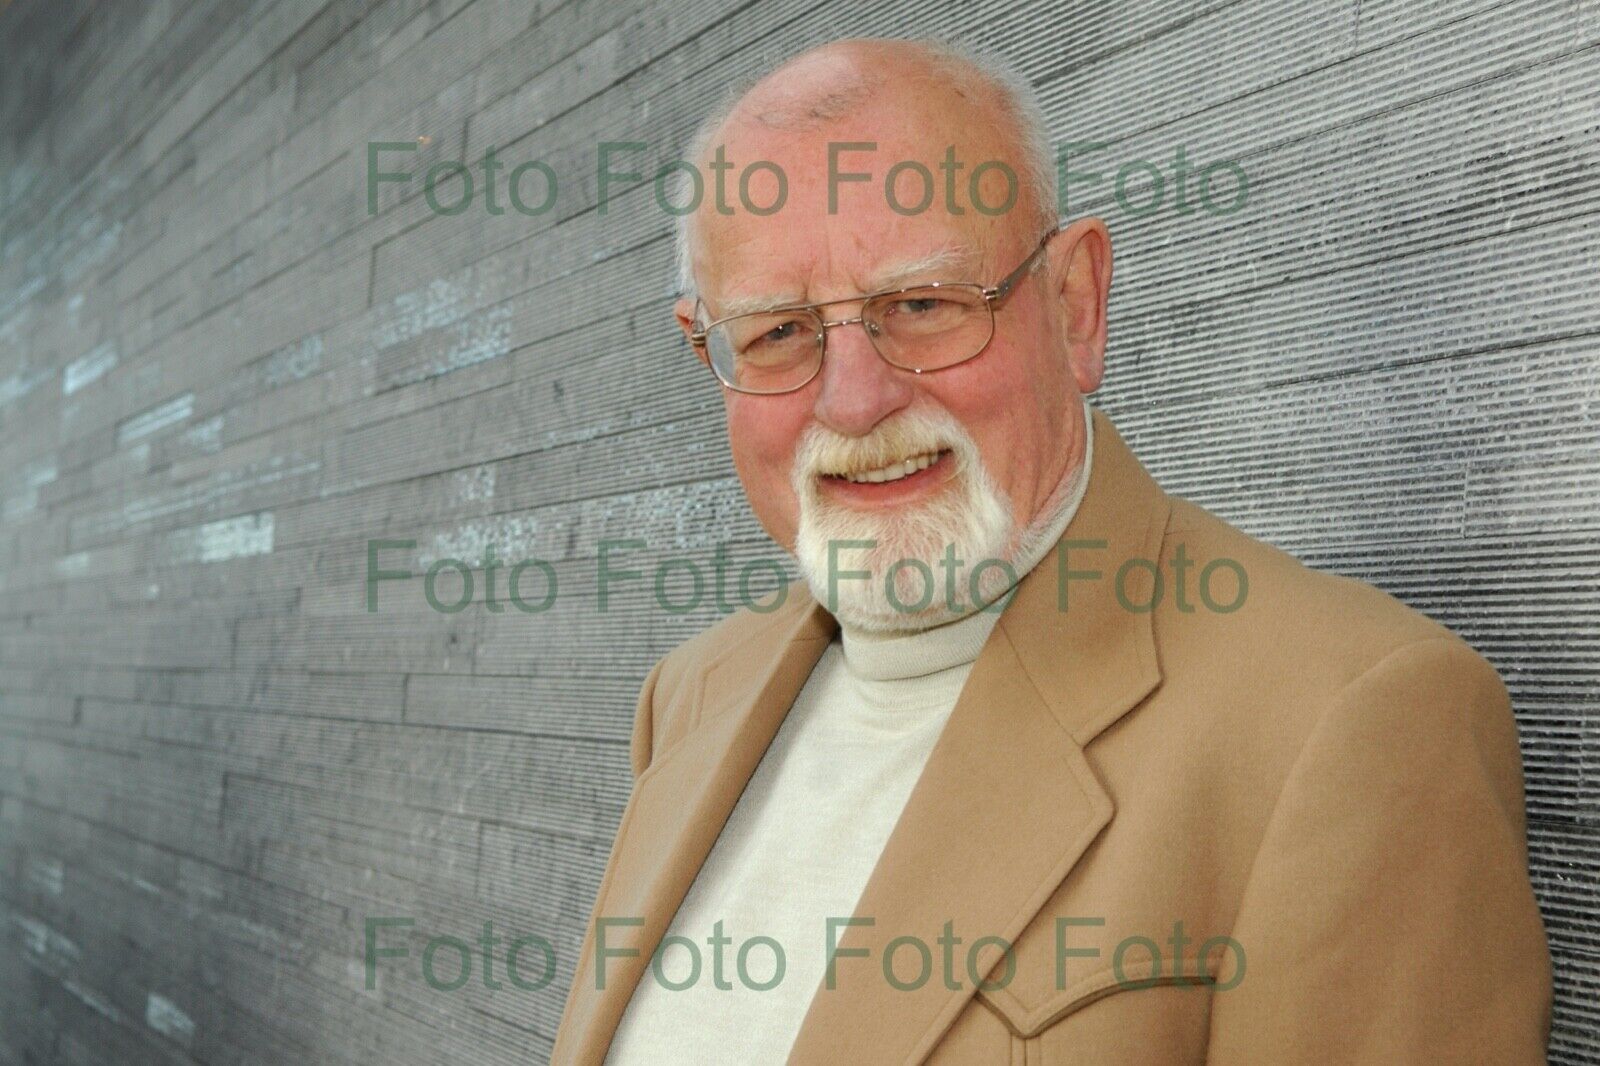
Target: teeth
x,y
894,471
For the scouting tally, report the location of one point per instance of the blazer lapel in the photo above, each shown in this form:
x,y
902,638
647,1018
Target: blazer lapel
x,y
678,809
1007,803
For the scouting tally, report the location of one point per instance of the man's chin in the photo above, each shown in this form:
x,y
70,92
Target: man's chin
x,y
895,585
909,567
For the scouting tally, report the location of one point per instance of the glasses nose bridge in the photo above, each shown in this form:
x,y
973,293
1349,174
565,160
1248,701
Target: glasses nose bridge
x,y
861,303
859,317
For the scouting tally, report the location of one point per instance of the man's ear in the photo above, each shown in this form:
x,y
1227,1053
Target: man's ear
x,y
1080,259
684,311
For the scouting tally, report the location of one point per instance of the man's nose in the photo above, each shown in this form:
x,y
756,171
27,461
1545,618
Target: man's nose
x,y
859,389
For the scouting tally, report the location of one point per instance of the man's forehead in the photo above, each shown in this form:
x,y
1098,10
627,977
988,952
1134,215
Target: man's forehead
x,y
846,237
812,250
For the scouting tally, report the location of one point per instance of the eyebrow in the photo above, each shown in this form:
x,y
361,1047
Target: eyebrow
x,y
745,305
894,275
950,257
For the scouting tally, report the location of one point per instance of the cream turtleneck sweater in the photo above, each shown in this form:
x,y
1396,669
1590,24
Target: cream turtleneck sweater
x,y
804,837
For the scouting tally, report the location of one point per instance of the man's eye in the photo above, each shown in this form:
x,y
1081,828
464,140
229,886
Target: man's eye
x,y
777,333
920,305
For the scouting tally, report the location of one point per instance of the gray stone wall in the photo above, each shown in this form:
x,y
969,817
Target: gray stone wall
x,y
223,373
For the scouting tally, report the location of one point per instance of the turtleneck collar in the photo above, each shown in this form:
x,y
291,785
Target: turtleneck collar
x,y
893,656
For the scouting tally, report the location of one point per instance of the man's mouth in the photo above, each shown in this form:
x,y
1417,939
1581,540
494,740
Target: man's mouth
x,y
894,471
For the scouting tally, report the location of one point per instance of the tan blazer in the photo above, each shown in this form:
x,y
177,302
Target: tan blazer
x,y
1321,775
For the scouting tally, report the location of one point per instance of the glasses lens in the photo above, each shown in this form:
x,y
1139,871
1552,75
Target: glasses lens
x,y
930,328
766,352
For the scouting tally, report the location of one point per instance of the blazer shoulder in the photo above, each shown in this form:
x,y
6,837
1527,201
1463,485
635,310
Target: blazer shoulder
x,y
1328,628
1310,650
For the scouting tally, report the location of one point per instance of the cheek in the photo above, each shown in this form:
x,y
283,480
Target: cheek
x,y
759,435
995,393
1013,407
763,433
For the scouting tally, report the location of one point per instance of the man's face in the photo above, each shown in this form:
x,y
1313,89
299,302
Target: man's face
x,y
968,455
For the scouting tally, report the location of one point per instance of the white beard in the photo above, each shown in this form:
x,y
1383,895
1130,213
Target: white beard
x,y
969,514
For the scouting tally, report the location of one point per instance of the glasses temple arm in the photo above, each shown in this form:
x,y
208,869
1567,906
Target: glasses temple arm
x,y
1009,282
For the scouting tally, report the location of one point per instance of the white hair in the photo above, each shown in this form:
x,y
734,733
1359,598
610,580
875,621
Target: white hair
x,y
966,66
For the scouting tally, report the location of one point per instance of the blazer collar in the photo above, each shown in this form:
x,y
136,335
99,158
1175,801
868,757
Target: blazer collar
x,y
1006,787
1076,621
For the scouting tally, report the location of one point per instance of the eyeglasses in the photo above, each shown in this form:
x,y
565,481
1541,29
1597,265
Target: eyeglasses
x,y
921,328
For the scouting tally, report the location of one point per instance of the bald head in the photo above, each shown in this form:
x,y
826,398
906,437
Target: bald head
x,y
904,83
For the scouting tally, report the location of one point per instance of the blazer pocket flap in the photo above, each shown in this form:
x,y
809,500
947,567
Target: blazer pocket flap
x,y
1029,1011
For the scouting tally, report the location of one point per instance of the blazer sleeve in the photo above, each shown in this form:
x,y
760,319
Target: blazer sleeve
x,y
641,746
1389,917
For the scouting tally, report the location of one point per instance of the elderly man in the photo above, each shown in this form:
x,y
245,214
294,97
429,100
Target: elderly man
x,y
1038,764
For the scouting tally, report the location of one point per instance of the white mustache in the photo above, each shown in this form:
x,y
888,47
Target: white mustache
x,y
909,435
